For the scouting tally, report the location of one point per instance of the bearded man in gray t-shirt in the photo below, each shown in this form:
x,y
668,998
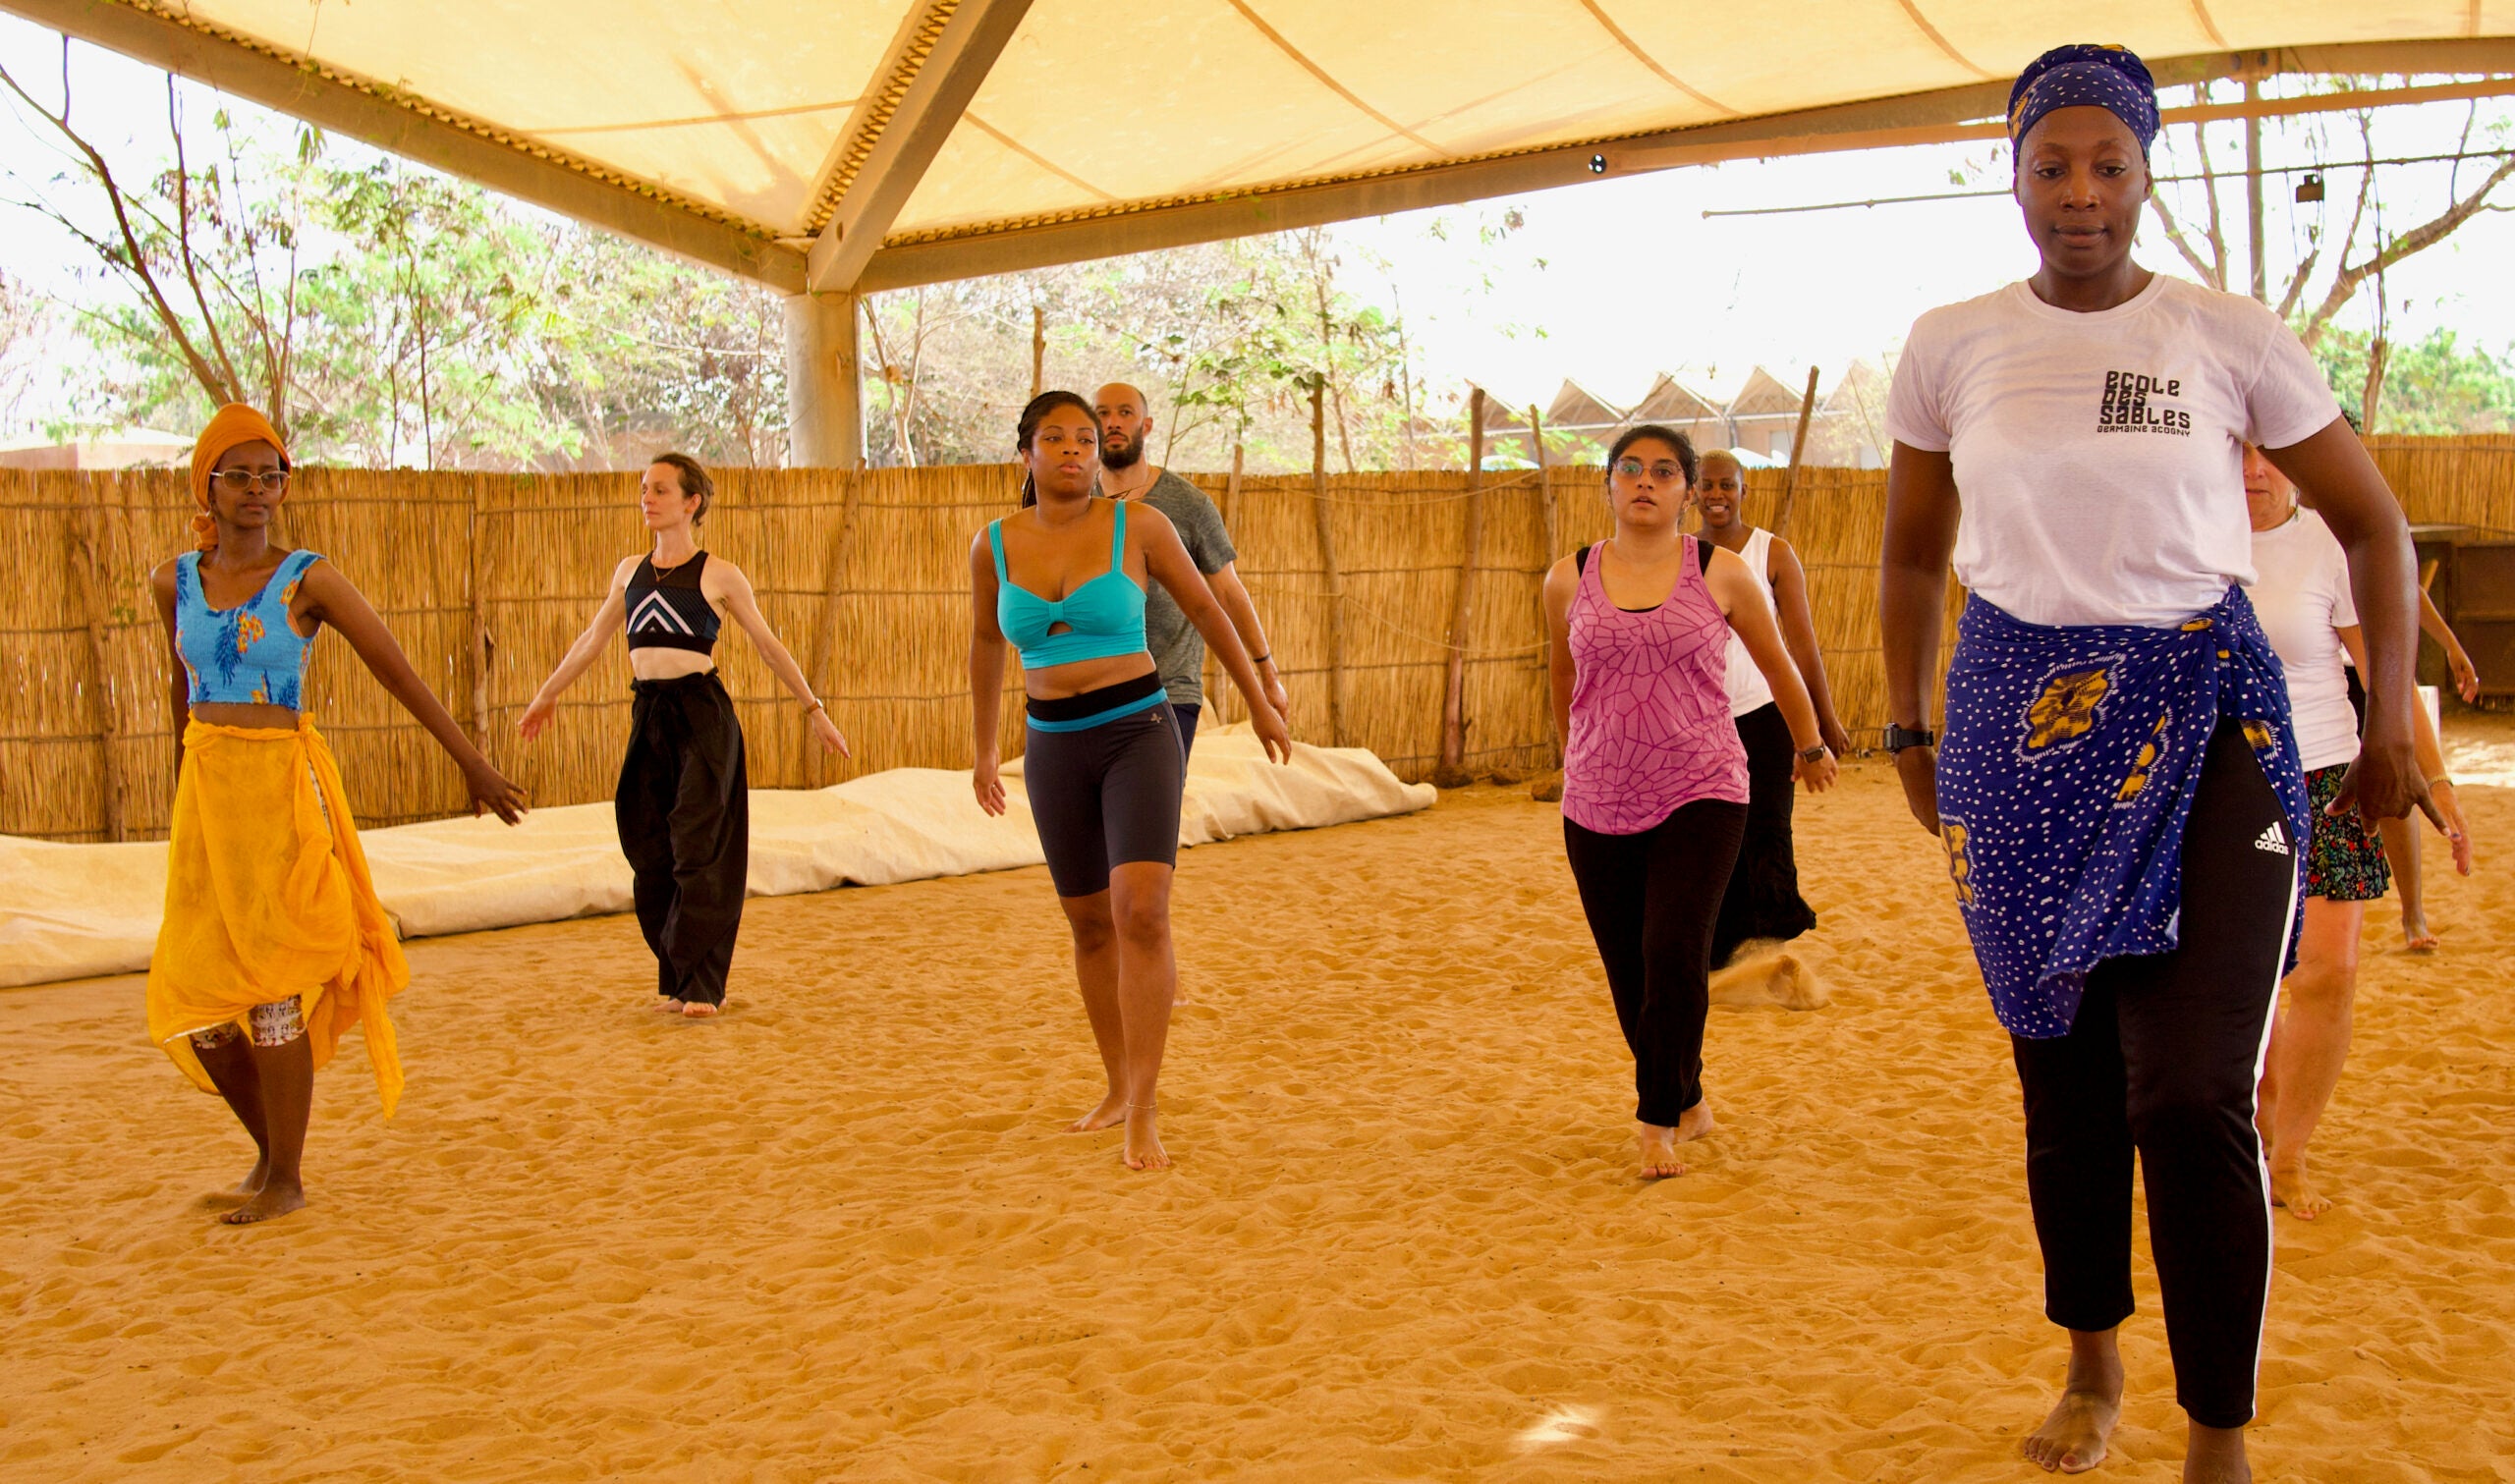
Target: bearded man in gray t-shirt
x,y
1177,650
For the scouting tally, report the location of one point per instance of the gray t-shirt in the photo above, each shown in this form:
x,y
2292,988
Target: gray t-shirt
x,y
1178,649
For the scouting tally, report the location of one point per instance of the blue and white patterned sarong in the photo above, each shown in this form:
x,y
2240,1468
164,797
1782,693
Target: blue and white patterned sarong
x,y
2069,765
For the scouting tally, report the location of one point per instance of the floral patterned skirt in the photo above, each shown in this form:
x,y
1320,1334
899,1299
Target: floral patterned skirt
x,y
2345,858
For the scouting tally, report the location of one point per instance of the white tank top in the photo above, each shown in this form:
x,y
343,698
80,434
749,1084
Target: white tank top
x,y
1748,690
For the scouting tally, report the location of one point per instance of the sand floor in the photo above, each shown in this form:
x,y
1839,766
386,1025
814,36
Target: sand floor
x,y
838,1233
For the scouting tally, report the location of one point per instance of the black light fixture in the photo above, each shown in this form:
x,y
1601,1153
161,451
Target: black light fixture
x,y
2311,187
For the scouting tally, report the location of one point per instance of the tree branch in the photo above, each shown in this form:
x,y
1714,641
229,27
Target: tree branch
x,y
2418,240
133,261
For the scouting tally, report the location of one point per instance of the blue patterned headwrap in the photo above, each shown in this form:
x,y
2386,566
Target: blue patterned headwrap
x,y
2081,75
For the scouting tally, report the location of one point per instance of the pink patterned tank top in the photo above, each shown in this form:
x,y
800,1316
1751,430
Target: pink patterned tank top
x,y
1650,727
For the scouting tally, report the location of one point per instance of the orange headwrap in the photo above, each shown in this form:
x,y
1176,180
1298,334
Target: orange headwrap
x,y
234,426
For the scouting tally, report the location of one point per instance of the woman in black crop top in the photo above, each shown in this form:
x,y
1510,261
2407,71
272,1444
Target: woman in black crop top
x,y
683,803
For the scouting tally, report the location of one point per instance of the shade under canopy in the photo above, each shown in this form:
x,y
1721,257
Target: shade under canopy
x,y
873,143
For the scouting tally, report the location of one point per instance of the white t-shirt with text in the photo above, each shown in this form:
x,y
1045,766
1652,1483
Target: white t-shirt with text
x,y
2301,592
2100,458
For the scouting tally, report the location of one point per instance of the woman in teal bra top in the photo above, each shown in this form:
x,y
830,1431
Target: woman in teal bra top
x,y
1063,581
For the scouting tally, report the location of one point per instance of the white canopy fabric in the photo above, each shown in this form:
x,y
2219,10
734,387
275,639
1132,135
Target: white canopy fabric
x,y
869,143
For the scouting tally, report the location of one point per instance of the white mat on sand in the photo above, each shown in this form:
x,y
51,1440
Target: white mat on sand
x,y
73,911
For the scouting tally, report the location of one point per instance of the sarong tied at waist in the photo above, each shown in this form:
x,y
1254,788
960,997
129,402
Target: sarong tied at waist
x,y
267,897
2068,768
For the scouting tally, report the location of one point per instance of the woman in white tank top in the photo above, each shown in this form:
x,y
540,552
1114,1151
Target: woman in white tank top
x,y
1763,901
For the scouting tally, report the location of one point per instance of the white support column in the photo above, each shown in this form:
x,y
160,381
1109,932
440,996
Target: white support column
x,y
824,392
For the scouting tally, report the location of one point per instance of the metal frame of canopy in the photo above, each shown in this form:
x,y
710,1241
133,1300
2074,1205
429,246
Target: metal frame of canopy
x,y
939,56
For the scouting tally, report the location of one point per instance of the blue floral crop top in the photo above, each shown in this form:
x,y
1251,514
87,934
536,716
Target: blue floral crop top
x,y
248,654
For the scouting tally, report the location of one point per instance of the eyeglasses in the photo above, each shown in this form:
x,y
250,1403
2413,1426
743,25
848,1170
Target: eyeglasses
x,y
237,481
1634,469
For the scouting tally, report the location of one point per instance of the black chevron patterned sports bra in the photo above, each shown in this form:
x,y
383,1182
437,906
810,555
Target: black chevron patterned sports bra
x,y
668,610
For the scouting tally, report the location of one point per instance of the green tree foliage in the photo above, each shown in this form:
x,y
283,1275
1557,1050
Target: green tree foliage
x,y
1226,340
386,316
2437,385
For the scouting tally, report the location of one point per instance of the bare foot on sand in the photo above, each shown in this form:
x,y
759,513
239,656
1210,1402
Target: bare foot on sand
x,y
1695,1121
2290,1187
668,1005
251,1185
1659,1152
2072,1440
1144,1141
700,1010
1112,1109
2416,934
267,1203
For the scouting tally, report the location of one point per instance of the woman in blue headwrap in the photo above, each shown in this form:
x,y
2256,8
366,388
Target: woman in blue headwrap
x,y
2118,790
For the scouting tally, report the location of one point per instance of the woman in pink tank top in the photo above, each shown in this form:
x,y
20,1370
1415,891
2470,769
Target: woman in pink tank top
x,y
1655,778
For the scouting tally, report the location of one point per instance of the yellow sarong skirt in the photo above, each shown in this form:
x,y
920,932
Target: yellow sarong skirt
x,y
267,896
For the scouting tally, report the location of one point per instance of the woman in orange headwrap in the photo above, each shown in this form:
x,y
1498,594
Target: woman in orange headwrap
x,y
273,942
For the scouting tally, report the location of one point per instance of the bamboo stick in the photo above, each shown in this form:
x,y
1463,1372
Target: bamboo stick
x,y
1452,771
1546,558
825,634
99,700
1038,350
481,642
1797,446
1327,560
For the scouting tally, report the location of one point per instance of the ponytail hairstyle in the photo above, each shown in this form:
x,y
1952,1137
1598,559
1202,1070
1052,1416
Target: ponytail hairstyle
x,y
1028,427
1670,437
693,481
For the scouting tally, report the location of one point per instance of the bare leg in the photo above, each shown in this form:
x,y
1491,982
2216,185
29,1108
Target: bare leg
x,y
231,1070
1095,968
286,1075
2401,853
2215,1455
2308,1047
1148,982
2072,1440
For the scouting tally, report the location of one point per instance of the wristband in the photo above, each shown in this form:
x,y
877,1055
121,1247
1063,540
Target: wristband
x,y
2441,781
1261,659
1812,755
815,706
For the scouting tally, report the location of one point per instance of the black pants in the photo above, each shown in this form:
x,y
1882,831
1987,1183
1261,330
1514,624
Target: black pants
x,y
2163,1057
1186,714
683,809
1762,900
1649,899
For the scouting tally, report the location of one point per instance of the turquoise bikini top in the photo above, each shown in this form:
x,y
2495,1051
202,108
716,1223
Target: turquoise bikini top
x,y
1104,617
247,655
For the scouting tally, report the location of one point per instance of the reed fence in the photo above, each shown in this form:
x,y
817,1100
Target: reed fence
x,y
485,580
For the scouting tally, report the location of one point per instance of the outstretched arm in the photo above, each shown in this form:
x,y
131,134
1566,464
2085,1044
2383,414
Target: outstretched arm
x,y
734,590
1734,585
1799,636
2431,753
331,598
1166,561
2337,479
986,679
1912,603
2457,658
1234,598
1562,581
608,620
179,690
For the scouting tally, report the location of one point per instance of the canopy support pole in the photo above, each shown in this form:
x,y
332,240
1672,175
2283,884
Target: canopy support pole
x,y
825,385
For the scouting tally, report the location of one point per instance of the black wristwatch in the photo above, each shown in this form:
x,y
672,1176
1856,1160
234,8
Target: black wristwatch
x,y
1813,754
1899,738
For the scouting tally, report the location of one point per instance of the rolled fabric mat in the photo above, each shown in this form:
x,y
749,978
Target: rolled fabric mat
x,y
78,910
